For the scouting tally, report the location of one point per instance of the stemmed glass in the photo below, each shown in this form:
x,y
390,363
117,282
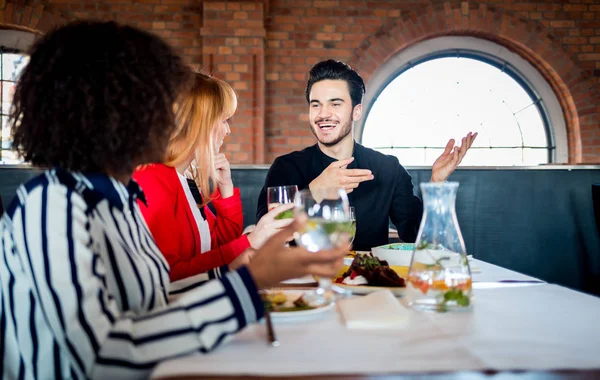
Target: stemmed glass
x,y
327,227
352,230
278,195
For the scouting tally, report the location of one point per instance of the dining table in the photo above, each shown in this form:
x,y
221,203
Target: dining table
x,y
518,326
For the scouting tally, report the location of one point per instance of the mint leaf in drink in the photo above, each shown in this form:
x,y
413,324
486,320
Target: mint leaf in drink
x,y
457,295
287,214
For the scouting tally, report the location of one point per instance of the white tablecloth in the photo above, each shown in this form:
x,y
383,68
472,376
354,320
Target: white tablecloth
x,y
529,327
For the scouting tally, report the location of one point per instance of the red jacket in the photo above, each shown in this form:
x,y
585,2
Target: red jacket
x,y
174,228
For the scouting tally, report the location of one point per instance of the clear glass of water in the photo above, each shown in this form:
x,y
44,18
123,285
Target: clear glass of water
x,y
327,227
352,230
278,195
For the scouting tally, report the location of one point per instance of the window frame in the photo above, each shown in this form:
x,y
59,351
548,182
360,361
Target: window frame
x,y
5,50
15,39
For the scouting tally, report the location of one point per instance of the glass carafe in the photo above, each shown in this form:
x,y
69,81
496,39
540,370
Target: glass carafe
x,y
439,277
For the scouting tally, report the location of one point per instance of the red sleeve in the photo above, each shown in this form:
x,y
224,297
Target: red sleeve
x,y
165,217
231,250
226,228
229,222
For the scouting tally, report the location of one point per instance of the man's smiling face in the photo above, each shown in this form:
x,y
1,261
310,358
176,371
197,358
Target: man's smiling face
x,y
330,111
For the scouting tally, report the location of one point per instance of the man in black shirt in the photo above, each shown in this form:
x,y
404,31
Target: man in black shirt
x,y
378,187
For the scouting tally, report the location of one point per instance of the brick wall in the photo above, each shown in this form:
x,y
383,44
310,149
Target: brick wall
x,y
265,48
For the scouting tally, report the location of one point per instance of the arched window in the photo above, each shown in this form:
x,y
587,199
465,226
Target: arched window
x,y
11,64
13,42
449,86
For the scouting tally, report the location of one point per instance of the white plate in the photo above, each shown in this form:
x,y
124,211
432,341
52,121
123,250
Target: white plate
x,y
288,315
363,289
293,295
308,279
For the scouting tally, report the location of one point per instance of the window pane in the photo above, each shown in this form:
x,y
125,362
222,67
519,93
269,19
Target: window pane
x,y
443,98
10,157
12,65
534,134
535,156
406,156
5,133
8,91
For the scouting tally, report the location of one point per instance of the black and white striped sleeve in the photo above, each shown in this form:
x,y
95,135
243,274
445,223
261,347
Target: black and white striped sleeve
x,y
180,287
198,321
75,309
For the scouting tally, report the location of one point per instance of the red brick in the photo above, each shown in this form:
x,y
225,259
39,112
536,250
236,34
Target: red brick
x,y
562,24
228,37
575,7
589,57
575,40
325,3
224,50
329,36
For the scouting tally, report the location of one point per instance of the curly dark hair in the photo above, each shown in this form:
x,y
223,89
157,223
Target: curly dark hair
x,y
97,97
337,70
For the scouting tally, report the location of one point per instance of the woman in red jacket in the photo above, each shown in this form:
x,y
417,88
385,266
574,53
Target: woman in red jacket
x,y
193,240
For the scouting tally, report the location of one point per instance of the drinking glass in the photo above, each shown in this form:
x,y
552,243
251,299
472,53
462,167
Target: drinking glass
x,y
352,230
327,227
596,203
278,195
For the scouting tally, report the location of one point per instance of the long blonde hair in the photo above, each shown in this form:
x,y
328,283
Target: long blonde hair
x,y
208,101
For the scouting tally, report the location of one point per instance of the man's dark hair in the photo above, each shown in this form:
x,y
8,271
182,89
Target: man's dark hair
x,y
337,70
96,97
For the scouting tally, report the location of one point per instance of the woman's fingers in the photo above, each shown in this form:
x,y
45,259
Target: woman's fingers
x,y
279,209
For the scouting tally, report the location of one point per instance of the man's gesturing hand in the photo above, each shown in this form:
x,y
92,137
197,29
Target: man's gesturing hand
x,y
337,175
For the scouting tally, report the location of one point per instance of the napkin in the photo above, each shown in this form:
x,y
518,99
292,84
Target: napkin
x,y
378,310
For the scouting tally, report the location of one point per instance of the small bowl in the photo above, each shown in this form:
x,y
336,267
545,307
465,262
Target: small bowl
x,y
396,254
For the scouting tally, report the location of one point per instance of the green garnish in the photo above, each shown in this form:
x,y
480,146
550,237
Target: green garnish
x,y
367,262
423,244
267,305
438,263
457,295
333,227
287,214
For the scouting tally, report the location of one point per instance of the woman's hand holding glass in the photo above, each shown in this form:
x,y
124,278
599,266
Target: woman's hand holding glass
x,y
270,264
278,195
269,225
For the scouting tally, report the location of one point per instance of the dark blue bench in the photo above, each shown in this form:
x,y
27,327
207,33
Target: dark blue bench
x,y
536,221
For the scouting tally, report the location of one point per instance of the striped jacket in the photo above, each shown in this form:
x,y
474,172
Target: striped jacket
x,y
84,291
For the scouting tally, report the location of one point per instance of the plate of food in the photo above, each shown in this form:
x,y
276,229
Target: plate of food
x,y
290,304
352,254
368,274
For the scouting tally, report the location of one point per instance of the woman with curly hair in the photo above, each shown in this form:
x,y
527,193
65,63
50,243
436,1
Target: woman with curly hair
x,y
84,290
191,238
